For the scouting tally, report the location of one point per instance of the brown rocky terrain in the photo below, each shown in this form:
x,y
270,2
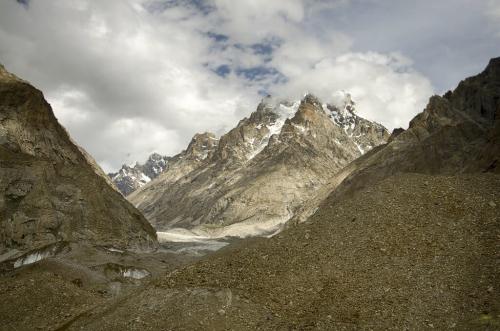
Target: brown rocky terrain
x,y
80,280
422,258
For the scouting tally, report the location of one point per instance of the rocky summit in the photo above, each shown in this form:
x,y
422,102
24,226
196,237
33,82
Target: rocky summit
x,y
52,191
258,176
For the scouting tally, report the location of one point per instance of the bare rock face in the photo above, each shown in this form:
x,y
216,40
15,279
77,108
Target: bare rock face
x,y
50,190
258,175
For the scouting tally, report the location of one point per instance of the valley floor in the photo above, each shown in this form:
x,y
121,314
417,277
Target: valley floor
x,y
411,252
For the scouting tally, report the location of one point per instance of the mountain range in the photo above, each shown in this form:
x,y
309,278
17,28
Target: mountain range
x,y
130,178
256,177
357,229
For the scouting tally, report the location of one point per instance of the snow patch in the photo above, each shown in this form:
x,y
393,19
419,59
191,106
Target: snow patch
x,y
180,240
299,127
180,235
144,178
111,249
32,258
361,150
135,273
284,112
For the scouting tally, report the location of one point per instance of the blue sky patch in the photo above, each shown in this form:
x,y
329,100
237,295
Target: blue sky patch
x,y
217,37
25,3
223,70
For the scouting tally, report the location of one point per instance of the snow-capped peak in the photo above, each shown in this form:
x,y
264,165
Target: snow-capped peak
x,y
342,100
131,177
284,110
341,111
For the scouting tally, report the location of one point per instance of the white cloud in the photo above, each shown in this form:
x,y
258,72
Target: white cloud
x,y
131,77
101,63
255,20
384,86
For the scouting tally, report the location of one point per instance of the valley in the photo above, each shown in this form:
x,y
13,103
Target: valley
x,y
303,216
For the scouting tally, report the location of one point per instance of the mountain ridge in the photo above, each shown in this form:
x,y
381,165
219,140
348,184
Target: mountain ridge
x,y
251,180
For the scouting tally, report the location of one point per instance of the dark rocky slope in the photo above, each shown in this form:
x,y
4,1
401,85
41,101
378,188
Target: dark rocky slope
x,y
456,133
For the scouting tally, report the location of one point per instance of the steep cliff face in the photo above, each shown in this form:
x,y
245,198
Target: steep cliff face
x,y
50,190
256,177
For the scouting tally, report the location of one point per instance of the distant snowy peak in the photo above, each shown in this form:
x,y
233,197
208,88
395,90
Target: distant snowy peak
x,y
154,165
341,110
130,178
342,100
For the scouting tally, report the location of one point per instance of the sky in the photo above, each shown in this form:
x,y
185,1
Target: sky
x,y
132,77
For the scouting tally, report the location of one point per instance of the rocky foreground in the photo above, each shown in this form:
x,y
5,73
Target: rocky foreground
x,y
424,258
